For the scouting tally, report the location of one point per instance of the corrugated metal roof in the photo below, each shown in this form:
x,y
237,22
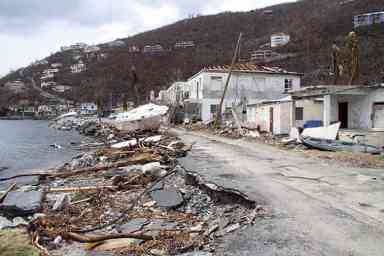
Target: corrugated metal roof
x,y
248,67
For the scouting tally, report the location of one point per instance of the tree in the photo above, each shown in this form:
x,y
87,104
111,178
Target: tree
x,y
352,44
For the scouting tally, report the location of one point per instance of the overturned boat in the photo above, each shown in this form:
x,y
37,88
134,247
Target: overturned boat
x,y
337,145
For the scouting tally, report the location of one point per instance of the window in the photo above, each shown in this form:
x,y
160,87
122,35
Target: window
x,y
287,85
214,108
186,95
217,78
299,114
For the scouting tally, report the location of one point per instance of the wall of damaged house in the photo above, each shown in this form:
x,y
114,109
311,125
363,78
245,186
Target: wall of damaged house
x,y
249,88
364,111
310,109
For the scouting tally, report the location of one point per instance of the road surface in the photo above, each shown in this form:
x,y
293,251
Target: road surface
x,y
316,208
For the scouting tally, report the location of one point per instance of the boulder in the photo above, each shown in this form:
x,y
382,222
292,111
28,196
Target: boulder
x,y
21,203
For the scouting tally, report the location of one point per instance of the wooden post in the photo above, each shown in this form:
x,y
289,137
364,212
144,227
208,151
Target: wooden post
x,y
219,112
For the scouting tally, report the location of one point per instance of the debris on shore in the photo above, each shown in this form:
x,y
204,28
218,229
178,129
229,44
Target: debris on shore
x,y
127,195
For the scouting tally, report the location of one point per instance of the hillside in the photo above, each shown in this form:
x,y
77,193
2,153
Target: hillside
x,y
313,26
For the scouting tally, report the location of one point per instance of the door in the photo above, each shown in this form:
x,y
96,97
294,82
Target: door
x,y
378,115
343,114
271,120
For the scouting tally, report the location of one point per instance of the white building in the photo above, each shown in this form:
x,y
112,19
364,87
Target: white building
x,y
367,19
276,116
61,88
359,109
88,108
279,39
16,86
153,48
77,46
134,48
184,44
56,65
78,67
249,84
47,84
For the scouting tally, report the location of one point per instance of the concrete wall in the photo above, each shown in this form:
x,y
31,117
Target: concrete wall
x,y
259,115
313,110
360,108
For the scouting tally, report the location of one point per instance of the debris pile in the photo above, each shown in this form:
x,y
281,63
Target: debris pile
x,y
127,196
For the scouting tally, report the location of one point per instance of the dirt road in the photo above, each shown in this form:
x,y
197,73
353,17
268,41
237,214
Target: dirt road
x,y
316,208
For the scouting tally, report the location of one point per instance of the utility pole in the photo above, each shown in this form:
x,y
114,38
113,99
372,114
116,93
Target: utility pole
x,y
219,112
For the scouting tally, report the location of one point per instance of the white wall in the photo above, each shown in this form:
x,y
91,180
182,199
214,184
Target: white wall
x,y
313,110
360,108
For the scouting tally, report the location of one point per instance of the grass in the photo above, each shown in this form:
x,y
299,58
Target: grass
x,y
16,242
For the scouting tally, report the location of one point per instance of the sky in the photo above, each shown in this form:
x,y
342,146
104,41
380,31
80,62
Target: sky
x,y
32,29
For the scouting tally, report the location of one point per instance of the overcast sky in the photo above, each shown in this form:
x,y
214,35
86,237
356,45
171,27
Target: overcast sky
x,y
32,29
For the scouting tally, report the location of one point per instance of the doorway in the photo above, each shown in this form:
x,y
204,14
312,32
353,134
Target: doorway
x,y
271,120
378,115
343,114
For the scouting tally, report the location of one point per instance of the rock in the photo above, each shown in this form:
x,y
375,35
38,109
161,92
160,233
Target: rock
x,y
117,244
232,228
115,172
154,169
5,223
110,136
149,204
19,221
58,240
168,198
61,202
133,225
21,203
82,161
196,228
158,252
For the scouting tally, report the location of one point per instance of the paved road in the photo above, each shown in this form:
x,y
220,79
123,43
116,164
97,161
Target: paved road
x,y
316,208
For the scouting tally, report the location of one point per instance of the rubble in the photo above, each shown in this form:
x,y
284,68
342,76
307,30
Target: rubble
x,y
128,195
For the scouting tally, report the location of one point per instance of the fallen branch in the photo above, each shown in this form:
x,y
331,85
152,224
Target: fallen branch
x,y
2,197
81,201
26,175
141,158
80,189
99,238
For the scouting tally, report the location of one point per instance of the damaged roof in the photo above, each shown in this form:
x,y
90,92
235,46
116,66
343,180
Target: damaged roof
x,y
249,68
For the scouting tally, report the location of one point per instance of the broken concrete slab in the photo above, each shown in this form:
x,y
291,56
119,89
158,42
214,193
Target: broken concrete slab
x,y
168,198
19,221
21,203
133,225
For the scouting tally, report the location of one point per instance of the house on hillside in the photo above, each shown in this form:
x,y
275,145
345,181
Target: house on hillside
x,y
88,108
184,44
249,84
367,19
133,49
279,39
16,86
56,65
78,67
153,48
61,88
77,46
47,84
360,109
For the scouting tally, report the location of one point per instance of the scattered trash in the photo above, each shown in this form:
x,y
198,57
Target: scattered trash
x,y
328,132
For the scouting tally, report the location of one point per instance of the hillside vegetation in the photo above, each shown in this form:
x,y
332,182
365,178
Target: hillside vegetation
x,y
312,24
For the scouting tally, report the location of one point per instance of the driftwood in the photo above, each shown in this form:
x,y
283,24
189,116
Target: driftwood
x,y
2,197
141,158
80,189
99,238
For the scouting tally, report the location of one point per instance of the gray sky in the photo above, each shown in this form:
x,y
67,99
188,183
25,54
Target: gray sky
x,y
32,29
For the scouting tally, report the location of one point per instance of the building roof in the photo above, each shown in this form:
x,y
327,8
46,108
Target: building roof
x,y
249,68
